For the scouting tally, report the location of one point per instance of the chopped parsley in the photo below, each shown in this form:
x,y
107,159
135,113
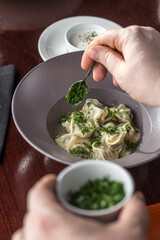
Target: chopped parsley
x,y
82,151
80,121
97,194
65,118
89,104
78,117
128,127
96,140
111,130
85,128
89,147
111,113
77,93
79,150
131,146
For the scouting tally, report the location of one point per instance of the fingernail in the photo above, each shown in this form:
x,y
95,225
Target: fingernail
x,y
93,53
140,196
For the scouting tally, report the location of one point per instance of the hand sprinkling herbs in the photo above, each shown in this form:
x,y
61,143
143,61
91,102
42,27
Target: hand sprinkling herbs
x,y
78,90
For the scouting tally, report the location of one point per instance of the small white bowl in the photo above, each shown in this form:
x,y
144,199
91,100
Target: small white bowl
x,y
75,175
78,37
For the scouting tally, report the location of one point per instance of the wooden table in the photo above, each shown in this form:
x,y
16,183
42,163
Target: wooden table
x,y
21,23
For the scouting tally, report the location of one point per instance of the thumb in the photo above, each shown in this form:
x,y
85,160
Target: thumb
x,y
135,213
42,193
108,57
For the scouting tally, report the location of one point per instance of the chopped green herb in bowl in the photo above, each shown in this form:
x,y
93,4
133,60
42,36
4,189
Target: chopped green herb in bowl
x,y
94,188
97,194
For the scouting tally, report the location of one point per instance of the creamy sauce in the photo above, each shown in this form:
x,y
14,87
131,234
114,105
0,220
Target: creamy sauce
x,y
83,38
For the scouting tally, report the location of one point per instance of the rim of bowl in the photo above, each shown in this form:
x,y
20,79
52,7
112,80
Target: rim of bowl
x,y
94,213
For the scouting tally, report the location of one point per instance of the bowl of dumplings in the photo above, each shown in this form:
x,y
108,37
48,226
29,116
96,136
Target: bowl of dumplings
x,y
99,128
98,131
108,125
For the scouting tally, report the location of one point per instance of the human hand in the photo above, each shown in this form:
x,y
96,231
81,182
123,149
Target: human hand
x,y
46,219
132,56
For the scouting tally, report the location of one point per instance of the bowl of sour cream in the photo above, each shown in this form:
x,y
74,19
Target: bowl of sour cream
x,y
78,37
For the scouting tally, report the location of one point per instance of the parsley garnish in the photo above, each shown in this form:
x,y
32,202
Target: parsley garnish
x,y
111,113
131,146
82,151
78,117
84,128
65,118
128,127
89,104
77,93
96,140
97,194
111,130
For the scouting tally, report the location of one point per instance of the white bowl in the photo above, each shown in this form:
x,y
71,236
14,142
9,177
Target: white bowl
x,y
74,176
78,37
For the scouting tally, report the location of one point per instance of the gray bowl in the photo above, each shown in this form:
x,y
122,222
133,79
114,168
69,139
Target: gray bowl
x,y
39,101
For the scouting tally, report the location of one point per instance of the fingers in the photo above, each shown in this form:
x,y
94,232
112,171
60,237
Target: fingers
x,y
114,39
135,213
99,72
42,193
109,58
115,82
18,235
86,61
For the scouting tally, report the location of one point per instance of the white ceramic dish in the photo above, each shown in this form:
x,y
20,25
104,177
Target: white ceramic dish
x,y
77,174
78,37
39,102
52,42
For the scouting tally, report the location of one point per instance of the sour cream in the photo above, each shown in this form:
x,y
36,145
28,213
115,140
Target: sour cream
x,y
83,38
80,36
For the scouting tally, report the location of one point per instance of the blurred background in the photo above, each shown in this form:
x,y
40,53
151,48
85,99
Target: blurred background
x,y
35,14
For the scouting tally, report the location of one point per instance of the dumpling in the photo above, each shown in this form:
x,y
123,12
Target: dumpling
x,y
84,130
134,137
94,111
82,150
68,140
104,153
113,139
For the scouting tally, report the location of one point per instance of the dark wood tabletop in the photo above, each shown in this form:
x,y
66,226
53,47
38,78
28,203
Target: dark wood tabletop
x,y
21,23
